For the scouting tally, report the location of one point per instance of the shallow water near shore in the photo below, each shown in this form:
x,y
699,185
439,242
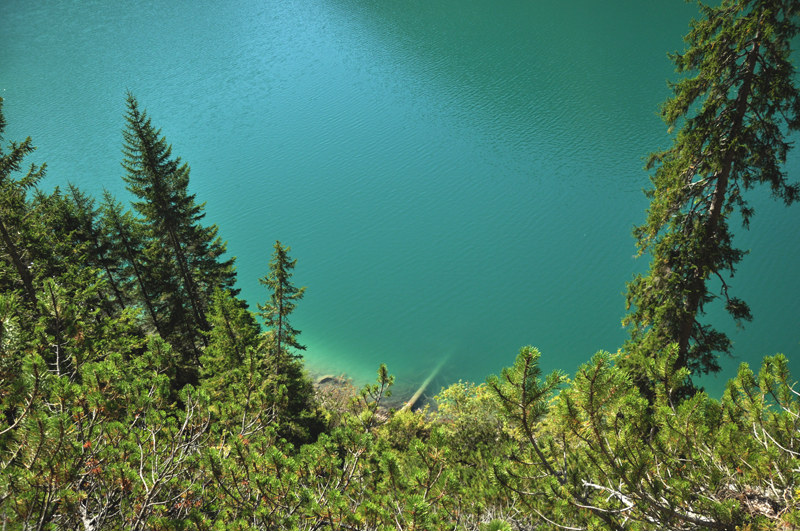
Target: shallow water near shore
x,y
456,178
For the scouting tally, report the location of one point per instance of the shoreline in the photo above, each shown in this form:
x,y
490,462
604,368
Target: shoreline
x,y
405,397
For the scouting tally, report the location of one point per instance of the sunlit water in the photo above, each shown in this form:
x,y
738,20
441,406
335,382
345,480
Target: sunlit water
x,y
457,178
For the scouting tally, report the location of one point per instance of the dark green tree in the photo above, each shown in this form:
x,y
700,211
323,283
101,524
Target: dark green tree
x,y
734,110
184,255
300,421
67,233
82,212
14,208
281,304
126,248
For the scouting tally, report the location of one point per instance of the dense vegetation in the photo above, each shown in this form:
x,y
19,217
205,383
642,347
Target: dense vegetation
x,y
139,392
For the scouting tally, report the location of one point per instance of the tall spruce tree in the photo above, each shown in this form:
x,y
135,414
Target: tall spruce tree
x,y
281,304
14,208
126,241
81,209
734,111
183,256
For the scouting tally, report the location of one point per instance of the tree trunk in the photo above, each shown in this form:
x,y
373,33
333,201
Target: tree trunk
x,y
139,280
188,282
718,197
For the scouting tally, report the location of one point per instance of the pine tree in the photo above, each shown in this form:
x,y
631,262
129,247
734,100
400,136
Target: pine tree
x,y
599,455
81,209
734,110
297,415
281,303
234,370
126,243
69,235
184,256
14,207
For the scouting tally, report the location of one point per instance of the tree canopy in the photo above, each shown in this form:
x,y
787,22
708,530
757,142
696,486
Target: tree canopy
x,y
734,111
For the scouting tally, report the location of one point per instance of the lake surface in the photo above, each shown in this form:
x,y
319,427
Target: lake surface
x,y
457,178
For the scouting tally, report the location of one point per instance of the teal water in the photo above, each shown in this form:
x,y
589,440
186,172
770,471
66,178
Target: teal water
x,y
457,178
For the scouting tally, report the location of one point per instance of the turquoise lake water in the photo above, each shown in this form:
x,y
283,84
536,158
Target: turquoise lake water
x,y
457,178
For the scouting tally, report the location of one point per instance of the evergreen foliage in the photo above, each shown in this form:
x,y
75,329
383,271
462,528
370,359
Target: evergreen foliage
x,y
733,110
285,367
126,241
281,303
235,373
14,210
605,457
183,255
80,212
